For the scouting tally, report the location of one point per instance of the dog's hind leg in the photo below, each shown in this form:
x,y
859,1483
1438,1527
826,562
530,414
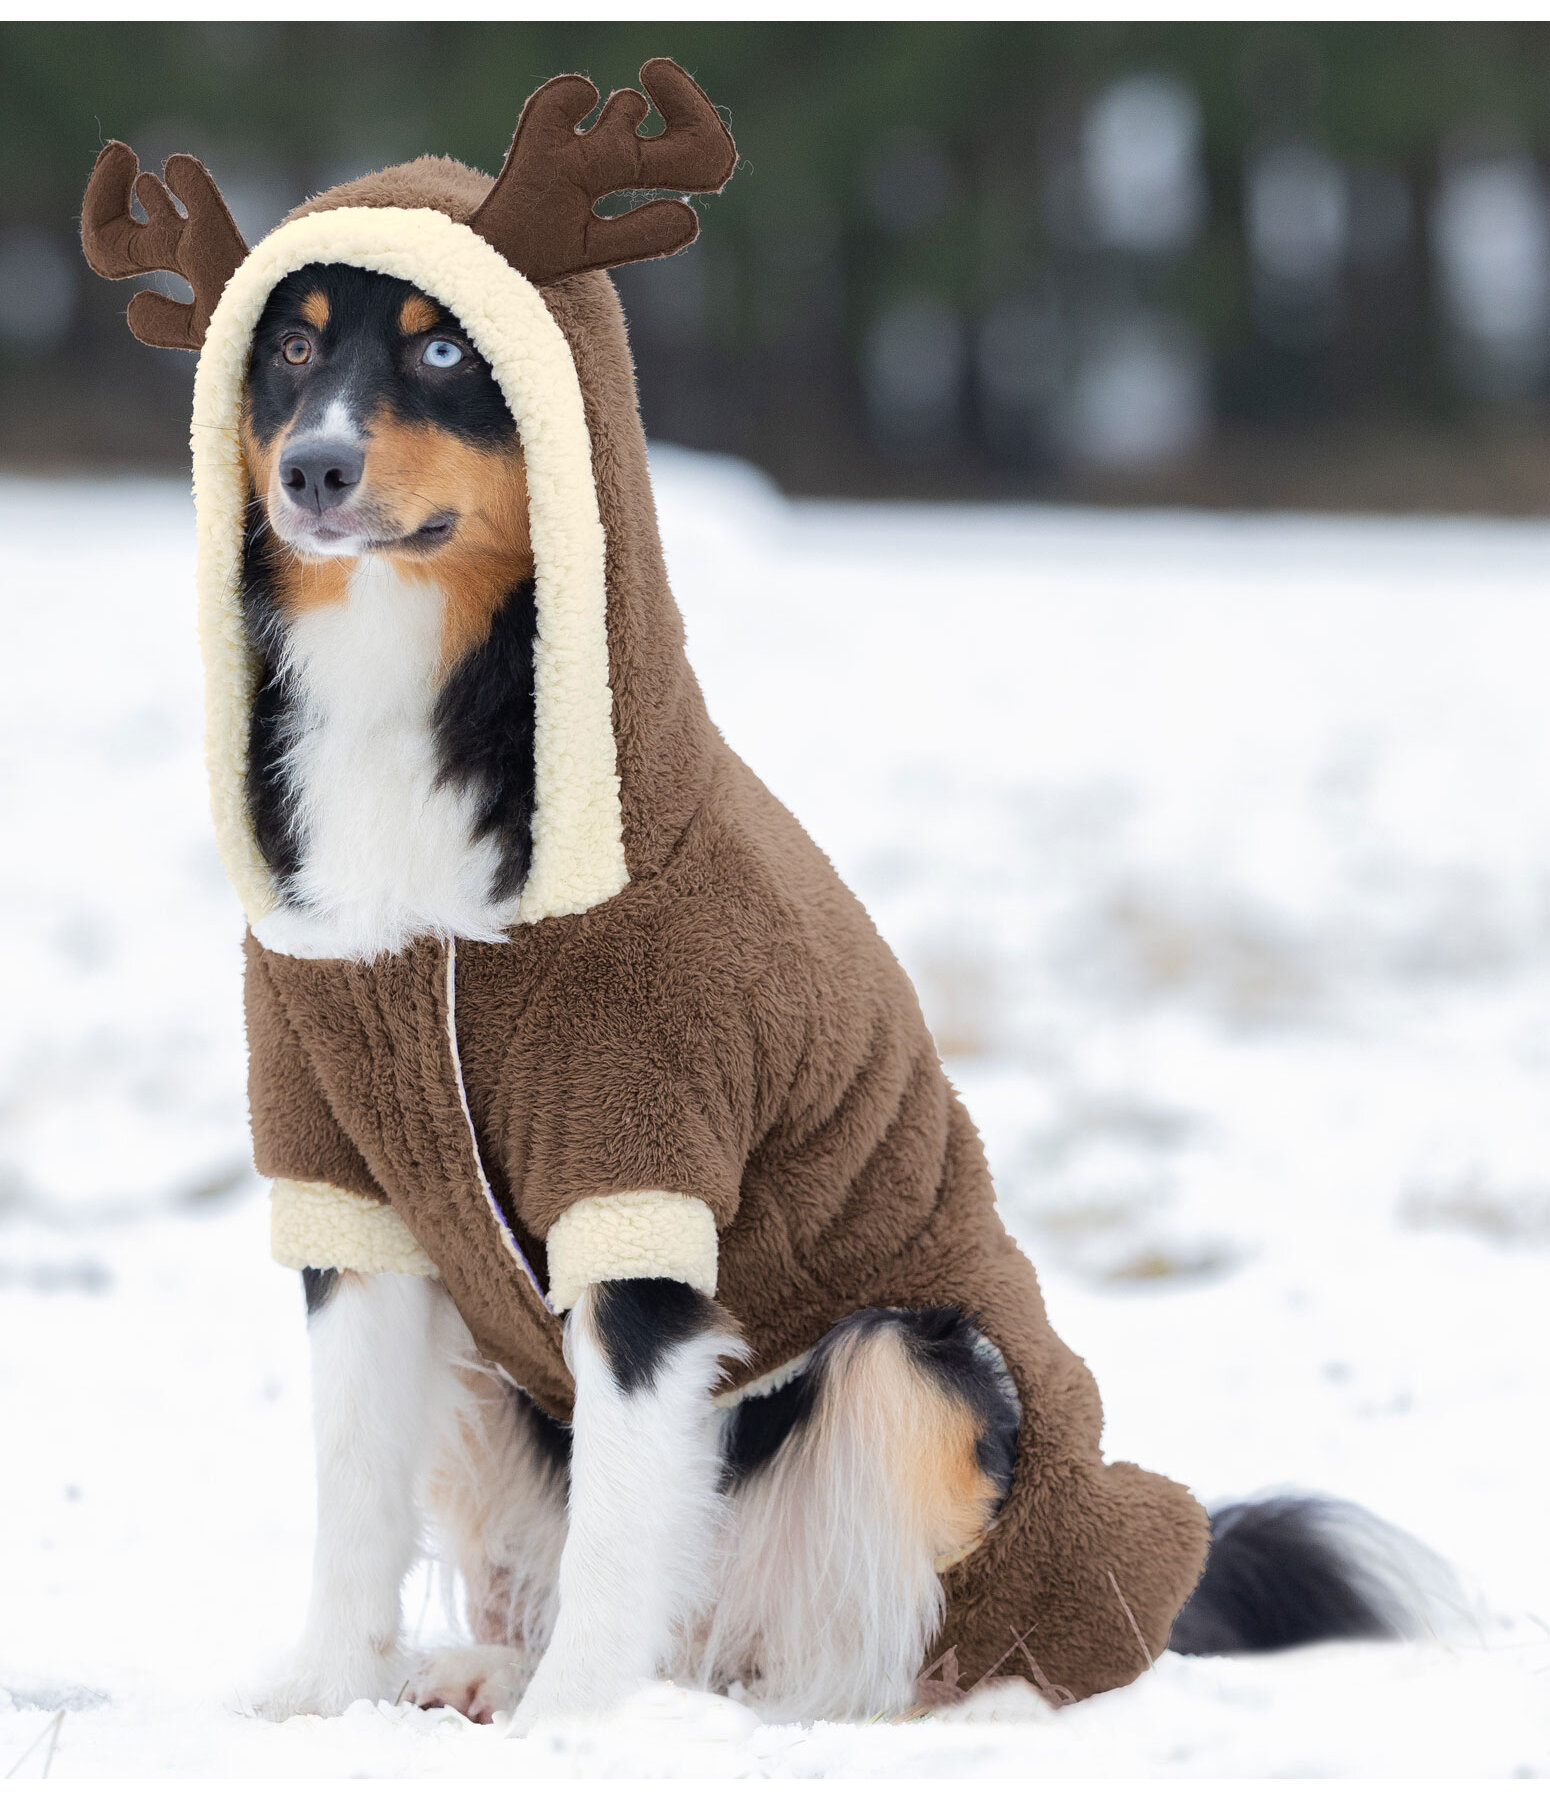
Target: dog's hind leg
x,y
854,1485
498,1494
382,1348
645,1502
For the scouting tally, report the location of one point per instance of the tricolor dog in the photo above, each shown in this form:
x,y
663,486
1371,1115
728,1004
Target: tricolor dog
x,y
648,1252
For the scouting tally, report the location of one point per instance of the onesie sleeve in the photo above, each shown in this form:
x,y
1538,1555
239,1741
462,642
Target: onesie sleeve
x,y
629,1094
325,1209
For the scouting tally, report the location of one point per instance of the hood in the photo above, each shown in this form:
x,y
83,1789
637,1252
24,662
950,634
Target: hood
x,y
623,748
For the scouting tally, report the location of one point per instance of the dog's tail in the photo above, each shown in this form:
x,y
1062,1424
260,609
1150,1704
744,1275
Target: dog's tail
x,y
1301,1569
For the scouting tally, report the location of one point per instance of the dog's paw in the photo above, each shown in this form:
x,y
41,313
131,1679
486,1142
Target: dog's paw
x,y
479,1682
328,1689
569,1688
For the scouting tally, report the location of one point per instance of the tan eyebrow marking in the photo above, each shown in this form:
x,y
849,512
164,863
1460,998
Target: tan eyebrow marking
x,y
314,309
418,314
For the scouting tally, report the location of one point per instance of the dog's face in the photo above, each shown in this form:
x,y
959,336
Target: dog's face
x,y
371,425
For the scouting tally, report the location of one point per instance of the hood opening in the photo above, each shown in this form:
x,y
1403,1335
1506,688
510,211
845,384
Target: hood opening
x,y
578,857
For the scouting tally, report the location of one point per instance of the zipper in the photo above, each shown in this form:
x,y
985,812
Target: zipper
x,y
473,1142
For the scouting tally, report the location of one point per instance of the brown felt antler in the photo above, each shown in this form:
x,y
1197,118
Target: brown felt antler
x,y
204,247
540,215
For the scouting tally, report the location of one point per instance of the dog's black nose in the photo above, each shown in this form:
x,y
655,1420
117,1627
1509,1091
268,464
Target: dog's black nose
x,y
321,474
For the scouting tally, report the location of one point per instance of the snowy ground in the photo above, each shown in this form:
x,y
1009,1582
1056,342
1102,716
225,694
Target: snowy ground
x,y
1220,850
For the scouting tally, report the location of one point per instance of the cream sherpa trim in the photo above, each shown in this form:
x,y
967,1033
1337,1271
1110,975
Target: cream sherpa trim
x,y
618,1237
578,843
315,1226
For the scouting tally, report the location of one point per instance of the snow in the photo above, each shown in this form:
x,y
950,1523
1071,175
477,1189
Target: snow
x,y
1220,851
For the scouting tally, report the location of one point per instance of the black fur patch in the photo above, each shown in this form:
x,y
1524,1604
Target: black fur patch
x,y
318,1285
484,722
552,1438
362,353
639,1322
269,803
762,1424
1278,1576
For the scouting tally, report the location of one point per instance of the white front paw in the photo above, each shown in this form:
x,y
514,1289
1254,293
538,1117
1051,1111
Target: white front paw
x,y
478,1681
576,1691
328,1687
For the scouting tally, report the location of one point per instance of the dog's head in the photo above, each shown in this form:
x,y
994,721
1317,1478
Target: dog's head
x,y
372,425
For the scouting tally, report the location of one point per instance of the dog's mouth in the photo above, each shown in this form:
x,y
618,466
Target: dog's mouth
x,y
340,534
435,532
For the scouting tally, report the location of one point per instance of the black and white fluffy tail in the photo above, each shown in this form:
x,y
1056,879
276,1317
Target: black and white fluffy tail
x,y
1301,1569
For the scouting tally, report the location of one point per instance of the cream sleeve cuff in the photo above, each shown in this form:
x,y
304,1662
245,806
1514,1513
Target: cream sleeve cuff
x,y
315,1226
619,1237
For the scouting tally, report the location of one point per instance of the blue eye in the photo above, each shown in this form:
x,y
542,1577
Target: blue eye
x,y
442,353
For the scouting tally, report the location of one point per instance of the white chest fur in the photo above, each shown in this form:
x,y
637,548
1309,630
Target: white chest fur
x,y
387,851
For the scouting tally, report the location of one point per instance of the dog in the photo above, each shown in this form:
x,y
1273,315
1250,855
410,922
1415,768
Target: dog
x,y
785,1542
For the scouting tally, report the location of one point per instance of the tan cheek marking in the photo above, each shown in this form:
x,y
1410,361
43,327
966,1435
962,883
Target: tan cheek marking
x,y
418,314
414,472
303,583
314,309
492,551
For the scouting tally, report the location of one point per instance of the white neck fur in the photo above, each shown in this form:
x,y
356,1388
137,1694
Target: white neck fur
x,y
387,851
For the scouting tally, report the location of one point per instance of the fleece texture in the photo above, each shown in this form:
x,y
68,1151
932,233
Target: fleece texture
x,y
692,1053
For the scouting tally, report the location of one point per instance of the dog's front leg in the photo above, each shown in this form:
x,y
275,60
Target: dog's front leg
x,y
376,1352
645,1507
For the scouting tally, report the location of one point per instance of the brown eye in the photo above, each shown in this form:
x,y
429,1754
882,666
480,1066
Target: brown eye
x,y
296,348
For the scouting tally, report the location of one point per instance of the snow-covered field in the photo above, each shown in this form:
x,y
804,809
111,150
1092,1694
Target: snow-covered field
x,y
1220,850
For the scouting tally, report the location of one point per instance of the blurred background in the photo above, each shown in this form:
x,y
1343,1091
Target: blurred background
x,y
1268,265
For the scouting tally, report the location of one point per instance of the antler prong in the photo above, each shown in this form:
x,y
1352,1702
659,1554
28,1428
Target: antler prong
x,y
201,243
160,213
541,213
624,112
